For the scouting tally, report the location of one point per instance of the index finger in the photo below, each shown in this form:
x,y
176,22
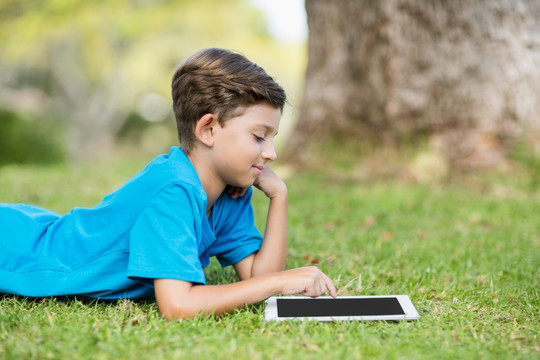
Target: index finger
x,y
330,286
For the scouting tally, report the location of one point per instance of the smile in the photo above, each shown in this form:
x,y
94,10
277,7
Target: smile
x,y
258,169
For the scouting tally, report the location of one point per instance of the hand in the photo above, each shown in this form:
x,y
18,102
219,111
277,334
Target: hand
x,y
268,182
236,191
271,184
308,281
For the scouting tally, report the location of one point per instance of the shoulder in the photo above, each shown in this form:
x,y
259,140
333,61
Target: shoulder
x,y
172,167
165,177
167,169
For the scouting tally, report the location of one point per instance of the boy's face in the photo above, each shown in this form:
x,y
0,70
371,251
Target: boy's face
x,y
244,144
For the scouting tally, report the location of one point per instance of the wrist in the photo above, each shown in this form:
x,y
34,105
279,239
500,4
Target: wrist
x,y
281,193
273,280
278,282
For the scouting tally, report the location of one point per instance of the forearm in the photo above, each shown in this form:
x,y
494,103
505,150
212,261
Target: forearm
x,y
184,300
179,299
273,252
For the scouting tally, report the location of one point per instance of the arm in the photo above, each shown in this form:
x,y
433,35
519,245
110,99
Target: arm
x,y
273,252
179,299
259,273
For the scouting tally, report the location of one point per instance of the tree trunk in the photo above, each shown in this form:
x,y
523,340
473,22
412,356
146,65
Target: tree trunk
x,y
466,73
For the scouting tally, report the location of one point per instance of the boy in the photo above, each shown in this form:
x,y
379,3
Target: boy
x,y
155,234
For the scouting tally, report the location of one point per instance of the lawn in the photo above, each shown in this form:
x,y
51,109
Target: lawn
x,y
466,252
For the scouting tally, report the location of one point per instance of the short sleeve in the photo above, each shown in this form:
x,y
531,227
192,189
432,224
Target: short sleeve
x,y
234,227
164,241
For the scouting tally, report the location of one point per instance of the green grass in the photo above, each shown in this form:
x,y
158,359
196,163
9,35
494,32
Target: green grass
x,y
467,253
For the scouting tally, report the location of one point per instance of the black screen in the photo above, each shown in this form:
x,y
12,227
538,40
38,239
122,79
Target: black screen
x,y
338,307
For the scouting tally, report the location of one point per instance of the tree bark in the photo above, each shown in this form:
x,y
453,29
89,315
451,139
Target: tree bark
x,y
465,73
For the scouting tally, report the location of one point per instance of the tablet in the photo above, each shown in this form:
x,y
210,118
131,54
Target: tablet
x,y
326,308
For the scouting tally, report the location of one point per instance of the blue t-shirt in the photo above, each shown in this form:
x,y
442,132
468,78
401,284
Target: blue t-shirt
x,y
154,226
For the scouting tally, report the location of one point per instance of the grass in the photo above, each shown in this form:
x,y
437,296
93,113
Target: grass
x,y
467,253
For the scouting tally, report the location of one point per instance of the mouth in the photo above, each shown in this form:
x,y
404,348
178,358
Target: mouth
x,y
258,169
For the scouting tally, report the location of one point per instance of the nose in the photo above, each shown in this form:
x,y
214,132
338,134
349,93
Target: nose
x,y
269,151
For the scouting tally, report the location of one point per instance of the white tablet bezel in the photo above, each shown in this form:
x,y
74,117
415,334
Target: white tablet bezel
x,y
404,301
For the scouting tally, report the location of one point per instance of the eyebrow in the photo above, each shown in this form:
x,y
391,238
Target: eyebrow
x,y
268,128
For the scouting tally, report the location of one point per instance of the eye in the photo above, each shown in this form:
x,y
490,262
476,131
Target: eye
x,y
258,138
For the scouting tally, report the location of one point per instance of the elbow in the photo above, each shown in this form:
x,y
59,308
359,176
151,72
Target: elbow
x,y
176,301
173,316
177,311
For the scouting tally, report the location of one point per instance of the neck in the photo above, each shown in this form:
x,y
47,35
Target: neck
x,y
211,183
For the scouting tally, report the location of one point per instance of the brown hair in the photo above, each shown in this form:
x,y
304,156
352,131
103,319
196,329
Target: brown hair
x,y
218,82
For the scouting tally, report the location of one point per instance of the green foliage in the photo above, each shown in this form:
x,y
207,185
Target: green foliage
x,y
94,61
28,141
466,253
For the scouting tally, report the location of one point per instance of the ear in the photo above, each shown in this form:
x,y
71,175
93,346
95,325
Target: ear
x,y
204,130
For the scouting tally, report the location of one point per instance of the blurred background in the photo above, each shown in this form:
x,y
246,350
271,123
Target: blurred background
x,y
454,87
82,80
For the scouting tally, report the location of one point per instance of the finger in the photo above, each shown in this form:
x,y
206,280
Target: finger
x,y
330,286
321,290
320,287
233,191
315,287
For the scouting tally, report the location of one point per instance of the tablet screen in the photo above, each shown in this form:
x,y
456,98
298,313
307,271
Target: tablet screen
x,y
338,307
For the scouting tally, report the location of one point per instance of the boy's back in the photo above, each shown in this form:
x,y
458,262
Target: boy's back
x,y
132,234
